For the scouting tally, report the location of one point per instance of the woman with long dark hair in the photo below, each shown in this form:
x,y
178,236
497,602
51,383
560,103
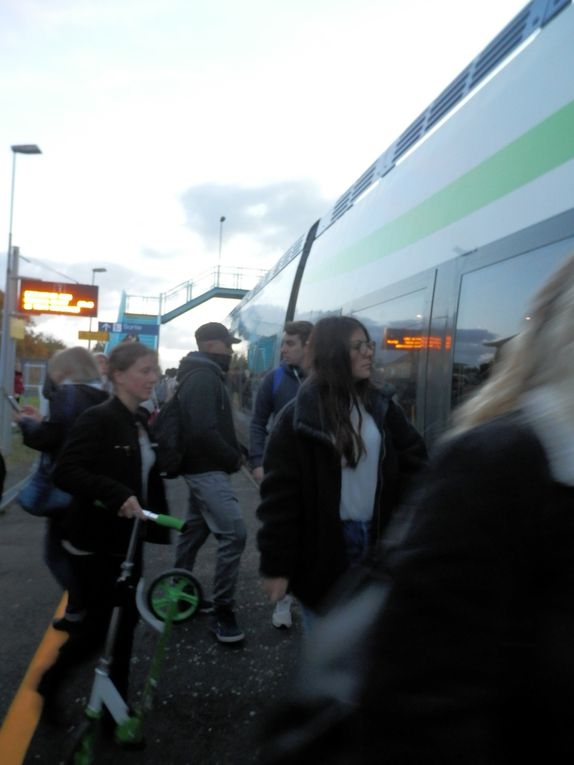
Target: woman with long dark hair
x,y
338,460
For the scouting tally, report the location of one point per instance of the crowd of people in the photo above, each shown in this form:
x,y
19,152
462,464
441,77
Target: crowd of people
x,y
470,644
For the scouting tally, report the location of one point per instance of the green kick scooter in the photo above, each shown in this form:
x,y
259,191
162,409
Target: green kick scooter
x,y
173,596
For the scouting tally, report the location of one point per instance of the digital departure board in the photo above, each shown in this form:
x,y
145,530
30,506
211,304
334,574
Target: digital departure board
x,y
412,340
37,296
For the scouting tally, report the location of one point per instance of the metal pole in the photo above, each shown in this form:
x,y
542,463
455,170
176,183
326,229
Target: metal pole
x,y
90,327
94,272
221,222
7,346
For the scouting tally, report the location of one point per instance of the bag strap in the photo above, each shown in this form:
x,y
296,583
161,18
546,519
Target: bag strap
x,y
277,377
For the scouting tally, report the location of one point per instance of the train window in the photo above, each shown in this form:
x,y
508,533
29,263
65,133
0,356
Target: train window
x,y
259,324
493,306
398,327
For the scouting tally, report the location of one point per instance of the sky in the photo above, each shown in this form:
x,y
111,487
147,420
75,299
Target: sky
x,y
157,117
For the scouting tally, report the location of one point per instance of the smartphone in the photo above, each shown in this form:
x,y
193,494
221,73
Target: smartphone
x,y
14,404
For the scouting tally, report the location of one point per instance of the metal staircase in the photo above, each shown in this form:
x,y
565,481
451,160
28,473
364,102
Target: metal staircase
x,y
142,315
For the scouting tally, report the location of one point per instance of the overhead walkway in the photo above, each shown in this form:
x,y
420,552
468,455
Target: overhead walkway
x,y
141,316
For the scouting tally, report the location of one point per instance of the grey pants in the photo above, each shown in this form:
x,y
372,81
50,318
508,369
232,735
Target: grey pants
x,y
213,508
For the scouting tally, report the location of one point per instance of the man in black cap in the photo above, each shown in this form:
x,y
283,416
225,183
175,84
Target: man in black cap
x,y
211,454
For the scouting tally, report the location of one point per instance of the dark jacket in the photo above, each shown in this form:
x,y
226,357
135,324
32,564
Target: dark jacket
x,y
100,466
207,419
301,537
475,647
271,398
67,402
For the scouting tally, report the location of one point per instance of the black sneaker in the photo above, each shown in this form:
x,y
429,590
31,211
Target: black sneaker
x,y
224,626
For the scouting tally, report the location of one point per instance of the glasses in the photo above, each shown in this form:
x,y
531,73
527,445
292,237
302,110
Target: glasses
x,y
363,346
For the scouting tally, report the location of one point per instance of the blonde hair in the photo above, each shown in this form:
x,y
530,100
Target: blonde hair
x,y
75,364
541,355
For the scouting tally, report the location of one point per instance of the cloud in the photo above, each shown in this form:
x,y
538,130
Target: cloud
x,y
275,215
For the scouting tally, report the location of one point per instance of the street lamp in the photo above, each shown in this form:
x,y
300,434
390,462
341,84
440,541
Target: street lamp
x,y
221,222
94,272
8,346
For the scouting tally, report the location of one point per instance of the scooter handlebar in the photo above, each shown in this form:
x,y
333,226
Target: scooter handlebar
x,y
165,520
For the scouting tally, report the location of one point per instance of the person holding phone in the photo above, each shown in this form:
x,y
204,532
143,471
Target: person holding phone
x,y
76,386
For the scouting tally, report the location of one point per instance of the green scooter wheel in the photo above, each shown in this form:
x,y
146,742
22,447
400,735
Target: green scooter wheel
x,y
176,594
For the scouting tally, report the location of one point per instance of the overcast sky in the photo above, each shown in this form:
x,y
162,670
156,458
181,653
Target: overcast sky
x,y
157,117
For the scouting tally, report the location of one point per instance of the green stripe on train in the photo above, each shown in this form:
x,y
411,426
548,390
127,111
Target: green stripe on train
x,y
539,150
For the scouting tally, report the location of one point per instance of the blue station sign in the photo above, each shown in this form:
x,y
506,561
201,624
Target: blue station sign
x,y
128,327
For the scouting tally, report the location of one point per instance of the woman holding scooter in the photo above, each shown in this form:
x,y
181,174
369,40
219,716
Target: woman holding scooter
x,y
108,465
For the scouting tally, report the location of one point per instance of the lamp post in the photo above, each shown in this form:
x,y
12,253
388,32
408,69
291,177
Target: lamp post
x,y
221,222
8,346
94,272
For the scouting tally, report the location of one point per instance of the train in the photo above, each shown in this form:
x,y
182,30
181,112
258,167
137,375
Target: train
x,y
440,244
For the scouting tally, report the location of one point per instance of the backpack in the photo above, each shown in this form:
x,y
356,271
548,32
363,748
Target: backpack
x,y
169,435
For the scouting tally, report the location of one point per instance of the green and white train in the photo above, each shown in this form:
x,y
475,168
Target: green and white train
x,y
440,244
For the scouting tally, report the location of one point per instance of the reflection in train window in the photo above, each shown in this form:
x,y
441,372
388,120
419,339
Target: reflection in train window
x,y
492,309
259,324
398,327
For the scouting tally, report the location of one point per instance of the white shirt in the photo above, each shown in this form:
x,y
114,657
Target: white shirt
x,y
359,484
147,459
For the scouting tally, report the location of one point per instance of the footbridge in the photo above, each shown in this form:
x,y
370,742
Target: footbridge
x,y
143,315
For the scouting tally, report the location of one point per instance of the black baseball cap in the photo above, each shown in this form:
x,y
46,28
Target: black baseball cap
x,y
213,330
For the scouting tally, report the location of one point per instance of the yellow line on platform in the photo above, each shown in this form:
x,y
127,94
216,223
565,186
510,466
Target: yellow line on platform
x,y
24,712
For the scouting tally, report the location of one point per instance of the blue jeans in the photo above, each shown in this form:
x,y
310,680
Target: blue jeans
x,y
357,536
213,508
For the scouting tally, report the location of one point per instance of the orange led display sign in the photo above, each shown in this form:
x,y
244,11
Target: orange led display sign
x,y
412,340
37,296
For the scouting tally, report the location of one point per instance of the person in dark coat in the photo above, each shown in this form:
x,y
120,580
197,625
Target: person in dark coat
x,y
470,653
76,386
108,465
338,460
210,455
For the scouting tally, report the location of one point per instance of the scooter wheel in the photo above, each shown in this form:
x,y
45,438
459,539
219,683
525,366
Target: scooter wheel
x,y
175,594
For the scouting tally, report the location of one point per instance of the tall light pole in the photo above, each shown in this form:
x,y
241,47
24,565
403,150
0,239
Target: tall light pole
x,y
8,346
94,272
221,222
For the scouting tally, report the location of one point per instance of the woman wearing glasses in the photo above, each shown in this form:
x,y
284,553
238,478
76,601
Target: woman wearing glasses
x,y
337,462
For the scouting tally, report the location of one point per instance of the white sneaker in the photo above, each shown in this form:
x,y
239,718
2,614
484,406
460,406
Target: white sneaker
x,y
282,614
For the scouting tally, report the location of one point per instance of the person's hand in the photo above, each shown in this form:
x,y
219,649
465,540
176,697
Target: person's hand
x,y
275,587
132,509
257,473
30,412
